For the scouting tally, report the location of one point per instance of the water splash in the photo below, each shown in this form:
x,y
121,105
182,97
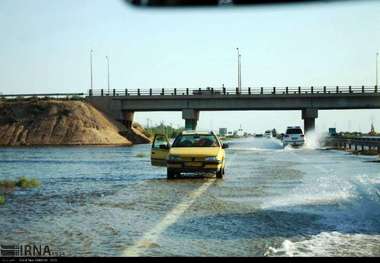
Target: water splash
x,y
328,244
313,140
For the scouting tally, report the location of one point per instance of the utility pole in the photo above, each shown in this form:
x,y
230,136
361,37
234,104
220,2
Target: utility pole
x,y
147,123
239,70
377,66
91,80
108,73
163,127
239,73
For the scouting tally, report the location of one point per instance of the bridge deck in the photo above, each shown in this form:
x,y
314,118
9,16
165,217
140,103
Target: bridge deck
x,y
349,97
260,91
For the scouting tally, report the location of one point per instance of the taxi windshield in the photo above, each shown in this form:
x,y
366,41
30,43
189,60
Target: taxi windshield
x,y
196,140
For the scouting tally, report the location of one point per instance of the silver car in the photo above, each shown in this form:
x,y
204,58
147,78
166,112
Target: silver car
x,y
293,136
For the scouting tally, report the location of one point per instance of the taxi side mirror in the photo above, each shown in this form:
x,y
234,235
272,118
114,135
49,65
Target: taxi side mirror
x,y
224,145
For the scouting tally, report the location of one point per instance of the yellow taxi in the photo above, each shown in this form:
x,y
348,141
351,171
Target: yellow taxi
x,y
191,151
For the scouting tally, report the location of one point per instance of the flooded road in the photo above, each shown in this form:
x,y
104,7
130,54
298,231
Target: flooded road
x,y
109,201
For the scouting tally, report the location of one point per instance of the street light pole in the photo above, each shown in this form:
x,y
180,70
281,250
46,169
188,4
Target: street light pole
x,y
240,73
108,73
239,70
91,70
238,80
377,66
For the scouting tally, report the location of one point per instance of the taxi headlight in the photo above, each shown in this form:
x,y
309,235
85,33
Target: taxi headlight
x,y
211,159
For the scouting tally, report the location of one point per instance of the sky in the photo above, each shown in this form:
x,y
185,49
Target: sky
x,y
45,48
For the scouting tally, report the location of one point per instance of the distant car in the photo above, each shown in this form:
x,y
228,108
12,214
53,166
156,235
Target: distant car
x,y
268,134
207,91
191,151
293,136
280,136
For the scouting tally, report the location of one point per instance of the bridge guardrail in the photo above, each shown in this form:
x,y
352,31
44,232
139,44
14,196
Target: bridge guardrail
x,y
210,91
367,141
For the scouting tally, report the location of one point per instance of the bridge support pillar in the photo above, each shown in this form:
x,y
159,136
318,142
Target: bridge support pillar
x,y
128,118
309,116
191,118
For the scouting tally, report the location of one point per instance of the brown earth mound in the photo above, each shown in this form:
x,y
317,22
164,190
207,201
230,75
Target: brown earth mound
x,y
58,122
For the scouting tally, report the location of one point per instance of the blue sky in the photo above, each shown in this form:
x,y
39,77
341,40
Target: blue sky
x,y
45,48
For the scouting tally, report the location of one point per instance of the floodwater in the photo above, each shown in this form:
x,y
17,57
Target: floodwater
x,y
107,201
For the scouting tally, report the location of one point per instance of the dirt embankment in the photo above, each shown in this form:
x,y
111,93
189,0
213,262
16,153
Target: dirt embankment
x,y
59,122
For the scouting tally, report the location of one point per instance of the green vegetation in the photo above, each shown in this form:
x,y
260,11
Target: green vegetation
x,y
2,199
353,135
8,186
350,135
167,130
75,97
24,182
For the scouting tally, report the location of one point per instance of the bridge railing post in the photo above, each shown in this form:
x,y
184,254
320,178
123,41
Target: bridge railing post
x,y
175,91
138,92
311,89
126,92
224,90
90,92
113,92
274,90
350,89
261,90
363,91
187,91
337,89
101,92
375,88
299,90
237,91
249,90
324,89
150,92
286,89
162,91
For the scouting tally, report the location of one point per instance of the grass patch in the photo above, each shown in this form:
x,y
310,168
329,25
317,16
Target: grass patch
x,y
2,199
24,182
8,186
141,155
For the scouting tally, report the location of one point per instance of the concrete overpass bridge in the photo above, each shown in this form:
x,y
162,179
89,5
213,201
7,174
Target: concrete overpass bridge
x,y
121,104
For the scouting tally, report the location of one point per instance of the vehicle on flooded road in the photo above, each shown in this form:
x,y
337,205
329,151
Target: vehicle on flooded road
x,y
268,134
293,137
191,152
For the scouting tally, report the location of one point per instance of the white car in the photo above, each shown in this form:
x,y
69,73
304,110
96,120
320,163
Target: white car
x,y
268,134
293,136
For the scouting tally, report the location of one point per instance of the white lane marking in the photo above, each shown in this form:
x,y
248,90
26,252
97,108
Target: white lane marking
x,y
152,235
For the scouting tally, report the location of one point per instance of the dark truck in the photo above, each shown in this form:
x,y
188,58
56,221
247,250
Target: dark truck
x,y
207,91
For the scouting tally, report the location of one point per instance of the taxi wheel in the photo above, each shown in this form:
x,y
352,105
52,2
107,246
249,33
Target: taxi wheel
x,y
170,174
220,173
